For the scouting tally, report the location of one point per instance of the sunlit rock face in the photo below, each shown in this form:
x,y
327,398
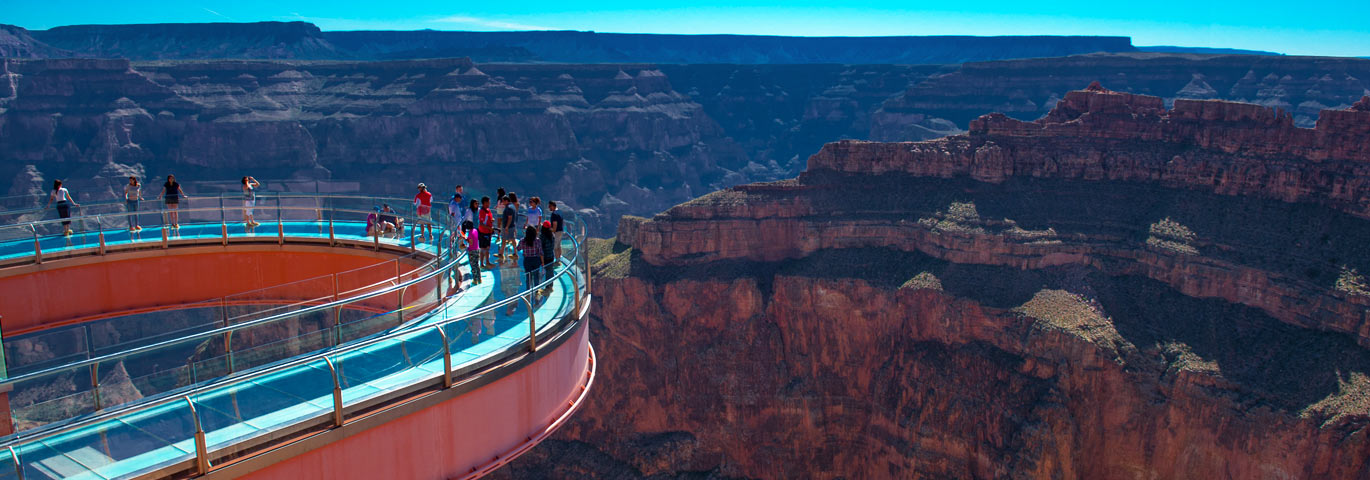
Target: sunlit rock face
x,y
1116,290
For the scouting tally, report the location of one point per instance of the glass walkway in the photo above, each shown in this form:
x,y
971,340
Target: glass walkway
x,y
342,356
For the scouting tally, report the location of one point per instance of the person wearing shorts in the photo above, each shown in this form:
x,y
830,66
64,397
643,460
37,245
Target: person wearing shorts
x,y
423,209
558,225
249,200
388,215
172,195
509,231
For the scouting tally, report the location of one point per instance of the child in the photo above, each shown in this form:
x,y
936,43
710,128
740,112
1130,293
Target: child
x,y
473,250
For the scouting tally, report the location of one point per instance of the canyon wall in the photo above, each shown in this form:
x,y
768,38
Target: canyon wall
x,y
1117,290
608,139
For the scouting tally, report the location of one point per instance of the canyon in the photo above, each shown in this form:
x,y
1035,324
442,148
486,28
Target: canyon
x,y
1119,289
1159,276
608,139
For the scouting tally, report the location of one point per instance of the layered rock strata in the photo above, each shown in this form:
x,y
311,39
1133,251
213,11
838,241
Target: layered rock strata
x,y
1117,290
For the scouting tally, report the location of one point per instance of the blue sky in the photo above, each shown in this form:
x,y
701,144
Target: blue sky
x,y
1336,27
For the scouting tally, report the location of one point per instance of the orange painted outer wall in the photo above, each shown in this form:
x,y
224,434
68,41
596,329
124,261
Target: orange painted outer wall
x,y
48,297
449,439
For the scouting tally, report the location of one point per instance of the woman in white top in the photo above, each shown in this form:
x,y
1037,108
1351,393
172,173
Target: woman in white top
x,y
64,203
249,200
133,192
535,212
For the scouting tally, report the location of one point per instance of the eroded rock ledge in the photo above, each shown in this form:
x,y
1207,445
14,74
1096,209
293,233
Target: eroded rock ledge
x,y
1114,291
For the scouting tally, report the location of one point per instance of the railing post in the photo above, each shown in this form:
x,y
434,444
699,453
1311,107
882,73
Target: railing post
x,y
99,225
331,241
337,394
37,248
532,324
580,253
337,326
201,450
18,468
411,238
164,245
399,312
280,229
223,230
446,359
95,383
576,286
228,348
223,309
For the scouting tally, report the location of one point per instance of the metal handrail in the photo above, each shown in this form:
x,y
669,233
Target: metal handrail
x,y
397,202
299,361
455,261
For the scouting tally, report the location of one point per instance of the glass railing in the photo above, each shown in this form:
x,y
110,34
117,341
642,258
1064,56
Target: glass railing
x,y
243,384
119,331
248,332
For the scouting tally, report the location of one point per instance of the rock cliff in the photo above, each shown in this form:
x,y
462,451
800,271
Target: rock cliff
x,y
614,139
1116,290
1028,88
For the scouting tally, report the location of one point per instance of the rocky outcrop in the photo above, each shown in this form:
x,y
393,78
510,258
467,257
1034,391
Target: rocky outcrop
x,y
1026,89
16,42
1027,300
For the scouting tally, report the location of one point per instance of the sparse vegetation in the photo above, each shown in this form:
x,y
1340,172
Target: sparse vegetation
x,y
960,217
1172,230
1352,398
1170,235
924,280
964,217
1075,314
1182,357
1351,282
964,211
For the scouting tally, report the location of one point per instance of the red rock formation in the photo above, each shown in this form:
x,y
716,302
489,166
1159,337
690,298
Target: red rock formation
x,y
1078,304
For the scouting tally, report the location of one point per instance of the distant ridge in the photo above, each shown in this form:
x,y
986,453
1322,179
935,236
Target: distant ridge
x,y
1205,50
16,42
592,47
305,41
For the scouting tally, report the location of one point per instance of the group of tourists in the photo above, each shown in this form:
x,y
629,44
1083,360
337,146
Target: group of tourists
x,y
525,230
171,195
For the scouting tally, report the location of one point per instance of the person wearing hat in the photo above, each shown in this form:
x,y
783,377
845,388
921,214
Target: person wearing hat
x,y
423,209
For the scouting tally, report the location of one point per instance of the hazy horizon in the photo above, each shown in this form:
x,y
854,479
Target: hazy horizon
x,y
1332,30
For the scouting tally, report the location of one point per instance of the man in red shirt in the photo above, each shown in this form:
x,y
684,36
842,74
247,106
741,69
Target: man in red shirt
x,y
423,206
